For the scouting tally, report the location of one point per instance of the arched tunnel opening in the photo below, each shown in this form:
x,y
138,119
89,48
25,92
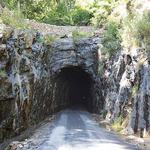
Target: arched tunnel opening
x,y
73,88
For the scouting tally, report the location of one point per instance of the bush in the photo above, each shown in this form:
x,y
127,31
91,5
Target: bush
x,y
143,29
59,15
136,30
62,15
14,19
81,16
101,10
111,41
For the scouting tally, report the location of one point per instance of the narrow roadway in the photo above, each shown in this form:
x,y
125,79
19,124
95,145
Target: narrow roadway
x,y
75,130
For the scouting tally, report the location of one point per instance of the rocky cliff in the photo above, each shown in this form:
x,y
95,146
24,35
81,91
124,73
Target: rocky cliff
x,y
127,76
127,90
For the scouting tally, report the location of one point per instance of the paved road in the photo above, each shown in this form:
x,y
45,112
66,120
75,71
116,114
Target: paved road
x,y
75,130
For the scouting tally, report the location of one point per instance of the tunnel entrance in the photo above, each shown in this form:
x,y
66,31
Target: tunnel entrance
x,y
73,88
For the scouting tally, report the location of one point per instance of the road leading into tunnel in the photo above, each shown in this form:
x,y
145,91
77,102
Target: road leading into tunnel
x,y
75,130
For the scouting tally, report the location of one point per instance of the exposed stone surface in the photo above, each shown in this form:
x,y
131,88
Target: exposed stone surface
x,y
127,93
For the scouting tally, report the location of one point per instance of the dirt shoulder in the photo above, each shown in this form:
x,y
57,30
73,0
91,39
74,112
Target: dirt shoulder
x,y
143,143
13,143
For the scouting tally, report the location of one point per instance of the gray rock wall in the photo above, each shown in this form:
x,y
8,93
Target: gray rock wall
x,y
127,93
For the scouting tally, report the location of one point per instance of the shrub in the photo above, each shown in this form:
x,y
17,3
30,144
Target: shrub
x,y
136,30
59,15
143,29
111,41
62,15
14,19
101,10
81,16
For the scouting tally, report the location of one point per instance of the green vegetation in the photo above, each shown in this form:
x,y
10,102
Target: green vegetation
x,y
31,9
13,19
117,124
3,73
135,90
136,30
143,29
101,10
101,68
81,16
111,41
60,14
76,34
57,12
49,39
64,12
122,26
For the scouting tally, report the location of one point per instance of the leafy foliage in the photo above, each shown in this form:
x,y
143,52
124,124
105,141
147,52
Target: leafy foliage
x,y
81,16
59,15
58,12
136,30
143,29
13,18
111,41
101,10
30,8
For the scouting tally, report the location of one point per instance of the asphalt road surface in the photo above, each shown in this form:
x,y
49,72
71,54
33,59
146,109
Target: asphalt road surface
x,y
75,130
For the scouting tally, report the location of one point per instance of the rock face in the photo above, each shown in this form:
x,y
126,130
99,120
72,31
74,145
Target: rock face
x,y
127,80
35,77
127,94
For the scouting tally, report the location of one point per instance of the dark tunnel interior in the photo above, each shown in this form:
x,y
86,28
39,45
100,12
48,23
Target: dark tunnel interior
x,y
73,88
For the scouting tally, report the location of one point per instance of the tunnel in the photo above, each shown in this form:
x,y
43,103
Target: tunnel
x,y
73,89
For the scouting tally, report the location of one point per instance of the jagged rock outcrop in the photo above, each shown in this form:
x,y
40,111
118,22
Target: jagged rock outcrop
x,y
127,93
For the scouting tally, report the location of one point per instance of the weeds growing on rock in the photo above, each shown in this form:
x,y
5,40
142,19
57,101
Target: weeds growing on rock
x,y
76,34
49,39
135,90
3,73
117,125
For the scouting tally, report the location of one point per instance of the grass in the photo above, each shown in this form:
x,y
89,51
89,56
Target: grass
x,y
136,30
101,68
49,39
77,35
3,73
135,90
117,124
14,19
143,29
111,41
